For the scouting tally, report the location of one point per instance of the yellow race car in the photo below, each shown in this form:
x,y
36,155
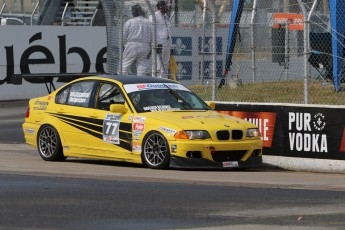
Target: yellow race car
x,y
152,121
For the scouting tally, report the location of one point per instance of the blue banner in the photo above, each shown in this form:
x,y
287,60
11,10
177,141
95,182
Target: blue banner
x,y
233,31
337,9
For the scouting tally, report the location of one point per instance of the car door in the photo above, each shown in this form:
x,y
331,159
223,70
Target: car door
x,y
72,112
115,129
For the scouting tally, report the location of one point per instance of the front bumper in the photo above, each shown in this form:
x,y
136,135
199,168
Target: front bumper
x,y
181,162
209,154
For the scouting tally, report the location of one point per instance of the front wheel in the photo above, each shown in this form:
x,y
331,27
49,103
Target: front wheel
x,y
49,144
155,151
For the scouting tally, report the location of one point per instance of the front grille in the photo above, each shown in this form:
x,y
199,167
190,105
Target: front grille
x,y
237,134
223,135
235,155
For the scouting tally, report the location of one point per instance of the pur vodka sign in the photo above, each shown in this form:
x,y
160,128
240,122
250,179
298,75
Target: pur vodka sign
x,y
306,132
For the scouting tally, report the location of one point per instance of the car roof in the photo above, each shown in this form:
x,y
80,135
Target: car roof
x,y
134,79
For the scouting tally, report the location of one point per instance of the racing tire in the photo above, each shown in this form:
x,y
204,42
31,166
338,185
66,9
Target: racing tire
x,y
155,151
49,144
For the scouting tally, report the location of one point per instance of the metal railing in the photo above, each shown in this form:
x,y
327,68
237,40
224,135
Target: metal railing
x,y
2,8
63,14
33,12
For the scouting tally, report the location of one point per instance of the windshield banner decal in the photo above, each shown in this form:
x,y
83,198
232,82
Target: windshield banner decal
x,y
151,86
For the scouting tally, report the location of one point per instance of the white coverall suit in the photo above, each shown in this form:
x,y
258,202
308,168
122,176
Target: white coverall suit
x,y
163,38
137,37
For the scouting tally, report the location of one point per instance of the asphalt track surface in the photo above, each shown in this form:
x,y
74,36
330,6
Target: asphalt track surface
x,y
91,194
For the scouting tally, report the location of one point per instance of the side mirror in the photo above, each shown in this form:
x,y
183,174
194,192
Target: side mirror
x,y
211,104
118,108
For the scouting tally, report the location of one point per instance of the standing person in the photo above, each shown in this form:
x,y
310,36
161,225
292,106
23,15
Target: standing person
x,y
163,38
137,38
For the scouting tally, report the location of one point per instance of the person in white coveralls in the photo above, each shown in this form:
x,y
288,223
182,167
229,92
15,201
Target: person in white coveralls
x,y
163,39
137,39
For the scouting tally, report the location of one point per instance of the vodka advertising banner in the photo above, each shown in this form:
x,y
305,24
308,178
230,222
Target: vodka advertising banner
x,y
293,131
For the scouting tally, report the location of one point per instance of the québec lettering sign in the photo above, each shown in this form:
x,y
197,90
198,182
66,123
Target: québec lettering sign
x,y
51,50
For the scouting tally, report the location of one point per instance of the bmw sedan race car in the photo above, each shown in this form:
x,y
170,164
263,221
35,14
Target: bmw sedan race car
x,y
151,121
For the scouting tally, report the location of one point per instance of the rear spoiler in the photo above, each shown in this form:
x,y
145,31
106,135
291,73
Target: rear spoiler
x,y
47,78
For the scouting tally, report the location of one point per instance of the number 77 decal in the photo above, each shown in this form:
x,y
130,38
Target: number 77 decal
x,y
111,128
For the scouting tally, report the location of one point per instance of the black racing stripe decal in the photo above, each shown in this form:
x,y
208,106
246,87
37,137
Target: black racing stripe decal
x,y
125,136
93,127
85,119
95,124
123,144
95,130
84,129
126,126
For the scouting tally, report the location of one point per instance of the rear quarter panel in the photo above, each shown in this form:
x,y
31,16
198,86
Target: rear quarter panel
x,y
37,113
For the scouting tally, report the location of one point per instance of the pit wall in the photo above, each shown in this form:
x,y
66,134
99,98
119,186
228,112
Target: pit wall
x,y
297,137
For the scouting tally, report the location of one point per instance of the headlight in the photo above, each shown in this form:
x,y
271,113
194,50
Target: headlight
x,y
253,132
192,134
197,134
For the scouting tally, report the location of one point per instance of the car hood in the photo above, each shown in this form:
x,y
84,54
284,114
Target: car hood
x,y
197,120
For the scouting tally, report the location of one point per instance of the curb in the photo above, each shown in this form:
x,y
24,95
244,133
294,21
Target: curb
x,y
305,164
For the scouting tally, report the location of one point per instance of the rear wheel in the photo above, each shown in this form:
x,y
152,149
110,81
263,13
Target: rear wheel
x,y
155,151
49,144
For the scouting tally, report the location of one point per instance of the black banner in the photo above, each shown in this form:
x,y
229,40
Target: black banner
x,y
292,131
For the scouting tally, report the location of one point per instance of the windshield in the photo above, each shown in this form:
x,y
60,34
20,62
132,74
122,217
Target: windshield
x,y
163,97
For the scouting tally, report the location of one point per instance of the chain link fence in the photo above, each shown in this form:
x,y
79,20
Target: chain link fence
x,y
271,62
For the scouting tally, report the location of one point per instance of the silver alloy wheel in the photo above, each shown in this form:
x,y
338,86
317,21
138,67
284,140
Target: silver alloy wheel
x,y
155,150
47,141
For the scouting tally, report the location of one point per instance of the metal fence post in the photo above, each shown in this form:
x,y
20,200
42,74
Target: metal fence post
x,y
253,41
154,42
121,38
214,53
306,52
202,51
287,51
109,7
